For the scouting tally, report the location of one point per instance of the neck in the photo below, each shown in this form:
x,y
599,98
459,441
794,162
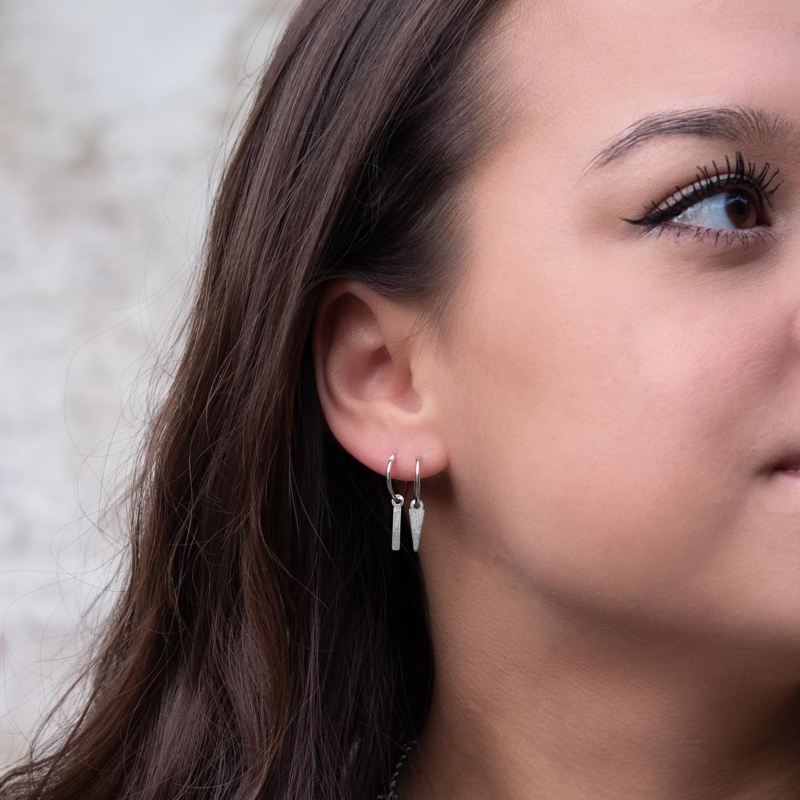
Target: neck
x,y
536,700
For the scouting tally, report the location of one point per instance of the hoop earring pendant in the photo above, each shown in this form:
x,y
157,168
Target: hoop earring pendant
x,y
397,504
416,511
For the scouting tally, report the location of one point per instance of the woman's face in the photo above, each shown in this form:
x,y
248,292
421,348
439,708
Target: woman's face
x,y
615,396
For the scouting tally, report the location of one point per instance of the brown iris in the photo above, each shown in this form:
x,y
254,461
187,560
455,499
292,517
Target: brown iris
x,y
741,209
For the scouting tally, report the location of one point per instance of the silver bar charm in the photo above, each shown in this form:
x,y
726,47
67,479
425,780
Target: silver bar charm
x,y
396,510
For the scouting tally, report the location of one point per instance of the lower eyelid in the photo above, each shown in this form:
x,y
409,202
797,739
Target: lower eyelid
x,y
715,236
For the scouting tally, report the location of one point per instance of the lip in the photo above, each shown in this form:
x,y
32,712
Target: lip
x,y
788,462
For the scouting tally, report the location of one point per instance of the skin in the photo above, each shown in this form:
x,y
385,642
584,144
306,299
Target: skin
x,y
613,572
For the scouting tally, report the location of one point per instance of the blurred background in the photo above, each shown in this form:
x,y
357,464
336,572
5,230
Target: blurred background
x,y
115,118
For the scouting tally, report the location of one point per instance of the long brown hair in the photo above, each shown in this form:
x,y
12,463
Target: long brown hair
x,y
267,641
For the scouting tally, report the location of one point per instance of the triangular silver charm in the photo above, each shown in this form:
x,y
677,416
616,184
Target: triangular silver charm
x,y
415,516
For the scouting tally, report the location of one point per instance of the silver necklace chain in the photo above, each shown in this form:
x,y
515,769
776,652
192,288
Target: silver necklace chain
x,y
391,794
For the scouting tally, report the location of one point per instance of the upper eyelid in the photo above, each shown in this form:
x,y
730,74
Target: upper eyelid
x,y
692,195
707,184
698,187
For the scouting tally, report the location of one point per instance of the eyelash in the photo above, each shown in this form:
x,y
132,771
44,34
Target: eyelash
x,y
706,185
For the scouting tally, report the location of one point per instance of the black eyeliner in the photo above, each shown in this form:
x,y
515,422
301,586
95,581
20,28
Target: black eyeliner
x,y
707,184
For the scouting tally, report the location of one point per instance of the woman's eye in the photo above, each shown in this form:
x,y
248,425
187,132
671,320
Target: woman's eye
x,y
729,210
725,216
723,208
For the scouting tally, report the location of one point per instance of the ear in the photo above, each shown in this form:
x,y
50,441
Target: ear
x,y
375,381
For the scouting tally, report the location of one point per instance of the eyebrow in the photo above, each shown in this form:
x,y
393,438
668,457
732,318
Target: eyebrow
x,y
729,123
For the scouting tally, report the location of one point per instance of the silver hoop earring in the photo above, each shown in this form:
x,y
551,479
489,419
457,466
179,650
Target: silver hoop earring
x,y
416,511
397,504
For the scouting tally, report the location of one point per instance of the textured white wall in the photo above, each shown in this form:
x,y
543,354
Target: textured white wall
x,y
112,116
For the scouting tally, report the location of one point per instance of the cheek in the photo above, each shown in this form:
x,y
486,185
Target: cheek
x,y
603,439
